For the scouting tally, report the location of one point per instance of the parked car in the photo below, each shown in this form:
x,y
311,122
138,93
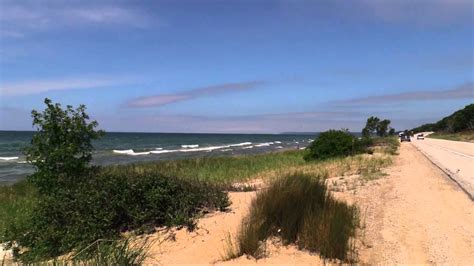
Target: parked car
x,y
420,136
405,138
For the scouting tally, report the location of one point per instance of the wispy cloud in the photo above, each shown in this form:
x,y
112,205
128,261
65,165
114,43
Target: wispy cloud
x,y
465,91
41,86
164,99
18,19
259,123
434,12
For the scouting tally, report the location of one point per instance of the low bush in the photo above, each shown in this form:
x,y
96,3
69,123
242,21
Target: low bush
x,y
335,143
299,210
105,206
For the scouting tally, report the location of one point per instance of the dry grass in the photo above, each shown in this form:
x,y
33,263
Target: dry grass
x,y
299,210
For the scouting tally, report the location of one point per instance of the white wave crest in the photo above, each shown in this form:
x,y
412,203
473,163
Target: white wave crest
x,y
139,153
211,148
123,151
278,142
247,147
190,146
163,151
265,144
279,147
240,144
131,152
9,158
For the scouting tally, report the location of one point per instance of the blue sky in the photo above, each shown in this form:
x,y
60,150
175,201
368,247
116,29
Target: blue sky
x,y
237,66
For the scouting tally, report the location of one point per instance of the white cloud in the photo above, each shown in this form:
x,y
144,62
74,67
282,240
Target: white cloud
x,y
160,100
19,19
40,86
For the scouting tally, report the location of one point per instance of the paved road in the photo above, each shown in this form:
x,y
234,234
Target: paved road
x,y
455,157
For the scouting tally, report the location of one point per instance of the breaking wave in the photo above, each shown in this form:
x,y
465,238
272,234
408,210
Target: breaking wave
x,y
190,146
9,158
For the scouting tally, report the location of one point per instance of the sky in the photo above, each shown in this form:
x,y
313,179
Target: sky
x,y
237,66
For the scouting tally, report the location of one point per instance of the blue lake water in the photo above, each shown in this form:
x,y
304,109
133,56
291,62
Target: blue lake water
x,y
123,148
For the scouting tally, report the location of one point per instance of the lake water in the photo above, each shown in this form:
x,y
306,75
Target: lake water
x,y
123,148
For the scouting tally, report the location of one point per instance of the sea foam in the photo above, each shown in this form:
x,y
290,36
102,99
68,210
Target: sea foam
x,y
131,152
123,151
9,158
265,144
190,146
241,144
163,151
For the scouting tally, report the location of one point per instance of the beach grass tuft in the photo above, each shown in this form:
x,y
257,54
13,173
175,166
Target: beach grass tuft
x,y
299,210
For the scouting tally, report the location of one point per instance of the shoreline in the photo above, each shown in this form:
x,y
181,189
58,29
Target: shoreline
x,y
20,177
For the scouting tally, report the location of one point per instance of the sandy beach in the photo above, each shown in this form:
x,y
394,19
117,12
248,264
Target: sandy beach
x,y
414,214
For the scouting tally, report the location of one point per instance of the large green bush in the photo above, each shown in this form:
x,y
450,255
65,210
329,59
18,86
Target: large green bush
x,y
61,149
107,205
333,143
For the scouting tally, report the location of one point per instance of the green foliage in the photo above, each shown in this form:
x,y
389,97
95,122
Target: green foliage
x,y
299,210
376,126
333,143
107,205
16,207
382,128
77,204
370,126
61,149
461,120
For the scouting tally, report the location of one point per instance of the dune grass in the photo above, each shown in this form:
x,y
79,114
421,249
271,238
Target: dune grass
x,y
122,252
467,136
102,252
387,145
219,169
16,204
299,210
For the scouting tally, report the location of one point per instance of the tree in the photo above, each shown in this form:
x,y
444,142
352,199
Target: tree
x,y
61,149
370,126
382,128
376,126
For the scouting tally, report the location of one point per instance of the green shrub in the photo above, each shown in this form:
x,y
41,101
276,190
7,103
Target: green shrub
x,y
333,143
298,209
107,205
61,149
76,203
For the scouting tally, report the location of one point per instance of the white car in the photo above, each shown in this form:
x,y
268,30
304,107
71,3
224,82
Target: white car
x,y
420,136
